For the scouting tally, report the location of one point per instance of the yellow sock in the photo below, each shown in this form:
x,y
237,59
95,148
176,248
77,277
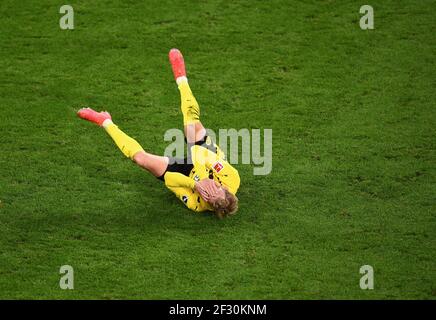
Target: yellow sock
x,y
127,145
190,107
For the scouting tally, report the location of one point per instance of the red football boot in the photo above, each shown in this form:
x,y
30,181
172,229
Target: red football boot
x,y
94,116
177,63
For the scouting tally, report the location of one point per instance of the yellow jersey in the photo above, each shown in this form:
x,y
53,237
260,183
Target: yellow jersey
x,y
206,164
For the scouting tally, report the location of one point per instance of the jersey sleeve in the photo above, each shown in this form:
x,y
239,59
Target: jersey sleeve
x,y
177,180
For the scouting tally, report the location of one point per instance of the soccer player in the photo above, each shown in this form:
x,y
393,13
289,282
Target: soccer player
x,y
204,180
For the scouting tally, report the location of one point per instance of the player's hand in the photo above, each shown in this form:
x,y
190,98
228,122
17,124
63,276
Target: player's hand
x,y
202,191
208,189
211,187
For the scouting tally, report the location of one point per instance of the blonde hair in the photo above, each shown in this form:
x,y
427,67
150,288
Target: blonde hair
x,y
227,206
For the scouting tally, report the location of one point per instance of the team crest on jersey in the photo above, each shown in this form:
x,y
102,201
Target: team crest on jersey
x,y
218,166
208,141
185,199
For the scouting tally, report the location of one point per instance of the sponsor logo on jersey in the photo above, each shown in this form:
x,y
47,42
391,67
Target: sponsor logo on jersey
x,y
218,166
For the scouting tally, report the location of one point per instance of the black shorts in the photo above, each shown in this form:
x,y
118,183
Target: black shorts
x,y
184,166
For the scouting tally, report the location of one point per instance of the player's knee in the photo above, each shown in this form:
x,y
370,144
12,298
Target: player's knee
x,y
140,158
200,133
194,132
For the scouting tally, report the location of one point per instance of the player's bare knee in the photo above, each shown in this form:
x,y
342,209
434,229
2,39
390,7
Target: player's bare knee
x,y
200,132
195,132
140,158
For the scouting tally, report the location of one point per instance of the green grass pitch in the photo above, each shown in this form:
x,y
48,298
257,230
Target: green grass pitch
x,y
353,120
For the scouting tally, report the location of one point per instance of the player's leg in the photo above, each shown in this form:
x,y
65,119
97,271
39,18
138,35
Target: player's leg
x,y
156,165
194,129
